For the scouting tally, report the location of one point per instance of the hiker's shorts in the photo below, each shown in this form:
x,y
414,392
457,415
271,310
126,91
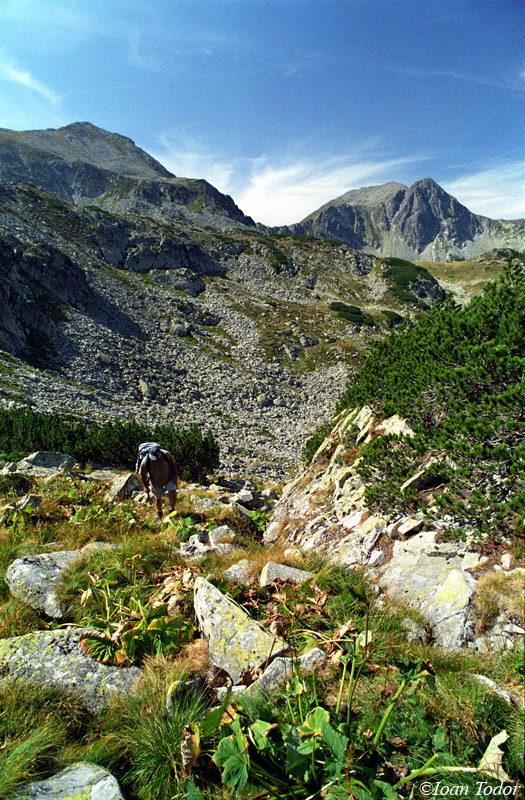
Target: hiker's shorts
x,y
160,491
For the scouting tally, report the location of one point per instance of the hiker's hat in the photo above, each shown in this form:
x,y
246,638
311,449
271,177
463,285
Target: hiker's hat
x,y
155,453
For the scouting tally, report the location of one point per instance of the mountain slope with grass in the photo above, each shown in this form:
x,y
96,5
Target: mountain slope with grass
x,y
457,374
83,164
127,291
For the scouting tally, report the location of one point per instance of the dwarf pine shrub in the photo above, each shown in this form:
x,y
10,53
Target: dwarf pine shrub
x,y
23,431
457,374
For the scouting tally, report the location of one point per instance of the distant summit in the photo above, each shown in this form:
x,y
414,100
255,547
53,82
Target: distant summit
x,y
83,164
78,143
421,222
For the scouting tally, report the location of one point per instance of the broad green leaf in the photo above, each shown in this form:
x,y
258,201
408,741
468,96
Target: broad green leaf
x,y
386,790
296,762
232,755
440,739
259,734
295,686
364,639
337,744
313,723
212,720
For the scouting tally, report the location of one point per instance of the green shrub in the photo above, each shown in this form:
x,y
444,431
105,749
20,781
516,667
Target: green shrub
x,y
23,431
351,313
314,442
457,374
403,274
393,318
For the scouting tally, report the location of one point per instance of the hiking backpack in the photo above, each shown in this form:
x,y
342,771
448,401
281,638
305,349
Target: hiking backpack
x,y
144,449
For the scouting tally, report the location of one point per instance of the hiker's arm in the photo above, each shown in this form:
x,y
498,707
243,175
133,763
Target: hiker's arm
x,y
144,478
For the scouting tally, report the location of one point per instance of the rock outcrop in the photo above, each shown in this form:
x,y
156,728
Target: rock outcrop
x,y
84,164
33,579
236,642
324,511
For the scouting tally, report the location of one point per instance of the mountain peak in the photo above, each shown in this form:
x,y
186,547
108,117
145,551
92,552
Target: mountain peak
x,y
422,222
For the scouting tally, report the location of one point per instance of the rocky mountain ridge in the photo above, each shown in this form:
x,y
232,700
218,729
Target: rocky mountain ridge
x,y
120,314
418,222
83,164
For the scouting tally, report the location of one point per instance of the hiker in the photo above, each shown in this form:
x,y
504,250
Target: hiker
x,y
161,468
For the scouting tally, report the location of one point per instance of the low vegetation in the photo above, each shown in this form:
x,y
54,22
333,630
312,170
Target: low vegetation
x,y
23,430
352,313
381,715
404,275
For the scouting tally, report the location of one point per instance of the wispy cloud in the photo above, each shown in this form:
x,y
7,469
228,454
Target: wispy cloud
x,y
497,191
187,157
512,83
13,74
55,23
273,192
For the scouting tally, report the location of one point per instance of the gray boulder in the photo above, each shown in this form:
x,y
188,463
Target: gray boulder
x,y
272,570
54,658
101,475
123,487
82,781
33,500
279,671
45,463
242,572
236,642
148,391
221,535
33,579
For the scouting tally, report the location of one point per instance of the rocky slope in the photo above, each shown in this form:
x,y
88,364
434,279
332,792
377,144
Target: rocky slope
x,y
126,290
417,222
430,560
118,314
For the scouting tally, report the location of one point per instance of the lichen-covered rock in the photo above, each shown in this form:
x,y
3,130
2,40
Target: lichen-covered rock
x,y
279,671
44,462
235,641
82,781
273,570
33,579
429,576
122,487
324,510
54,658
221,535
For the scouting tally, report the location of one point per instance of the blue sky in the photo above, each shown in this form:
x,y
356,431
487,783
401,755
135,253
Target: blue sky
x,y
285,104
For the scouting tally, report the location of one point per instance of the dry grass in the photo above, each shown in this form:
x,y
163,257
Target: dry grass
x,y
499,592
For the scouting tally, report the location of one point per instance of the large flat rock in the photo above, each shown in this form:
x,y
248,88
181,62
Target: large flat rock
x,y
53,658
236,642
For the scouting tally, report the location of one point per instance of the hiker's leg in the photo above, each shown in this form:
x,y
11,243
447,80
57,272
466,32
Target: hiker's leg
x,y
173,498
159,506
